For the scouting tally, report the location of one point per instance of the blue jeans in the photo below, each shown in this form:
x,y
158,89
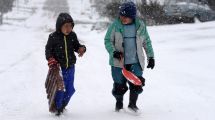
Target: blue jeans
x,y
62,98
118,76
120,82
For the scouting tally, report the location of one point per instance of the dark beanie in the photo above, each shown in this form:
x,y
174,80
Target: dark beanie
x,y
128,9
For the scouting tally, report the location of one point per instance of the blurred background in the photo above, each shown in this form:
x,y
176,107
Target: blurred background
x,y
155,12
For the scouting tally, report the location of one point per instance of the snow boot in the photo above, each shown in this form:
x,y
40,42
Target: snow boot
x,y
132,102
63,107
59,112
119,104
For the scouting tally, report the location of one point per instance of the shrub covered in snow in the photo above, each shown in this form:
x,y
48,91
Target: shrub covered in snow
x,y
5,6
152,12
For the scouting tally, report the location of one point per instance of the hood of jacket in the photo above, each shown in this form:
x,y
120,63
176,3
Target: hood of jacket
x,y
62,19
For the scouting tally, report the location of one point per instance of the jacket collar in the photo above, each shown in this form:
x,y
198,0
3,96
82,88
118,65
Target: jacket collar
x,y
120,25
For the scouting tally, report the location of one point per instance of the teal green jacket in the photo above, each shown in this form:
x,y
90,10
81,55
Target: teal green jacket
x,y
114,42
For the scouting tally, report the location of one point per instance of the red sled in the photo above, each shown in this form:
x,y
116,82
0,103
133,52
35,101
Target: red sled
x,y
131,77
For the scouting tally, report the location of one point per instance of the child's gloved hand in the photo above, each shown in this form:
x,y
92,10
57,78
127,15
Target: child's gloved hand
x,y
117,55
151,63
81,51
52,62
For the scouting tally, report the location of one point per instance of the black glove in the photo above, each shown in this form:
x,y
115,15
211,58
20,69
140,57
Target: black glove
x,y
142,80
151,63
117,55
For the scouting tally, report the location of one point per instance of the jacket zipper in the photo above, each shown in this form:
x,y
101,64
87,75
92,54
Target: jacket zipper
x,y
66,52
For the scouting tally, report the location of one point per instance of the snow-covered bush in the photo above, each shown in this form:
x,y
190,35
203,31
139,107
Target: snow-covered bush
x,y
5,6
153,12
211,3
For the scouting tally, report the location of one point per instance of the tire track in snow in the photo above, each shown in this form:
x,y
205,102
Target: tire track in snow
x,y
14,64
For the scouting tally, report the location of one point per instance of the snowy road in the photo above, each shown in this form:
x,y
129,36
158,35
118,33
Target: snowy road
x,y
179,88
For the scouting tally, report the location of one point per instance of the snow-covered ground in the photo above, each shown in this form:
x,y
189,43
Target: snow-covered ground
x,y
179,88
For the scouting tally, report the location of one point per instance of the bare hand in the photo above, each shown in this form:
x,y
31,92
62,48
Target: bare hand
x,y
81,51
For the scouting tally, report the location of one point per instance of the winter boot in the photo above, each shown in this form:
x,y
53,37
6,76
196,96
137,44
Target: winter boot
x,y
63,109
119,104
132,102
60,111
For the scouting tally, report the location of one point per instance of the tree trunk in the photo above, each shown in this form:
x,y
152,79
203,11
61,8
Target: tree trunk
x,y
144,2
1,18
211,4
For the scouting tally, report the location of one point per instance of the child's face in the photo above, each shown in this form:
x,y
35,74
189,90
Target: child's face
x,y
125,20
66,29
